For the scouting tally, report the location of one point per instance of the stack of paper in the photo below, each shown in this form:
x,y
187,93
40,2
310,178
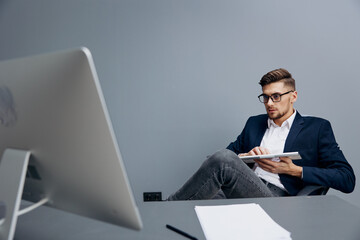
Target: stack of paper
x,y
240,221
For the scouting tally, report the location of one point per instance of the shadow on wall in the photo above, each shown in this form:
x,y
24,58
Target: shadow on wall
x,y
8,114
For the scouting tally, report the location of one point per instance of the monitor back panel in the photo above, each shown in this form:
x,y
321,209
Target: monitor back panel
x,y
53,105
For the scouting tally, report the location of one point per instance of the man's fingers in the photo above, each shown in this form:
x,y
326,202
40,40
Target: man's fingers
x,y
286,159
267,165
266,161
259,151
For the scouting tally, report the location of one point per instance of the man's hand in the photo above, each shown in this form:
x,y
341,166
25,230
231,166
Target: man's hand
x,y
256,151
285,166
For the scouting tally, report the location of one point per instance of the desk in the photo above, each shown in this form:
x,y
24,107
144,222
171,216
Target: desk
x,y
317,217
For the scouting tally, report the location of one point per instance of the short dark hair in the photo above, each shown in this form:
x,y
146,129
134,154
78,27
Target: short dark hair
x,y
277,75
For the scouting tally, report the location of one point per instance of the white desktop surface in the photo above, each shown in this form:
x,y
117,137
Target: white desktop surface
x,y
316,217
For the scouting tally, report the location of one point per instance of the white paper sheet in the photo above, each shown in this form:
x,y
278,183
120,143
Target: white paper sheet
x,y
240,221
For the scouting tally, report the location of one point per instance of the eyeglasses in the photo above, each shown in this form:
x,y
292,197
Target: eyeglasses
x,y
276,97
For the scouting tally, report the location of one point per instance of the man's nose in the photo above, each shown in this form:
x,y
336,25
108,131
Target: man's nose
x,y
270,102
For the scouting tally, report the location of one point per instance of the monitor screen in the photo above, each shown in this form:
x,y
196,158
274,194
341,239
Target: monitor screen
x,y
52,105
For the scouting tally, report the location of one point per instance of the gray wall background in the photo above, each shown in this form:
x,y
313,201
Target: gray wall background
x,y
180,77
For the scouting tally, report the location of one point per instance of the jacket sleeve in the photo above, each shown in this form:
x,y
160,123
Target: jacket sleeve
x,y
333,170
242,142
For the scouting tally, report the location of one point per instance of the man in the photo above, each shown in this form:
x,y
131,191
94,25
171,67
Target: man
x,y
282,129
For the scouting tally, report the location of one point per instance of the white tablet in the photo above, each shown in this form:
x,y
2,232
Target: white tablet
x,y
292,155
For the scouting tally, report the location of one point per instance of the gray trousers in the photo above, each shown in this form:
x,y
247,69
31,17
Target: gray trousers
x,y
223,172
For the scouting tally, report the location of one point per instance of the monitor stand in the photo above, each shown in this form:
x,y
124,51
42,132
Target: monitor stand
x,y
13,167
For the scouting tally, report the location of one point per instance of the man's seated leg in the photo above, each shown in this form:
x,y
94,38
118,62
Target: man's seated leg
x,y
222,170
220,195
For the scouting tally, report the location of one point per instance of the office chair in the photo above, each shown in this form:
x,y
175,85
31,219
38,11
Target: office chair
x,y
311,190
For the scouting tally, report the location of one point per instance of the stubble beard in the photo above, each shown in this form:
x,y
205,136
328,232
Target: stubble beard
x,y
276,116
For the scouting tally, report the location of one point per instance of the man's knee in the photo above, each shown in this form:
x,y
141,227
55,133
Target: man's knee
x,y
221,157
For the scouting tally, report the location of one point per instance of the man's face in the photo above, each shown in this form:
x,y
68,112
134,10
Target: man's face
x,y
279,111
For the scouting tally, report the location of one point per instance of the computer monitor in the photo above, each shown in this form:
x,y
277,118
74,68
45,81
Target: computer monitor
x,y
52,108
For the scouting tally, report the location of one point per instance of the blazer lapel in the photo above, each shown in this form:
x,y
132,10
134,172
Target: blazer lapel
x,y
294,131
261,131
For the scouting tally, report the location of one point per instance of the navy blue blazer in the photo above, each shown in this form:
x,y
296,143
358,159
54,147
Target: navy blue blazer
x,y
322,160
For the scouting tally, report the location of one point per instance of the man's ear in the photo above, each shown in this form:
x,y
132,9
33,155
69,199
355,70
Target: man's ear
x,y
294,96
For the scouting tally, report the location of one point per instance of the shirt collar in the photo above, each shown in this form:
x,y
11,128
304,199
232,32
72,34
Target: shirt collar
x,y
288,123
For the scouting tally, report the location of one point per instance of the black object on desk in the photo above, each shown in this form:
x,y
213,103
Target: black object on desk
x,y
180,232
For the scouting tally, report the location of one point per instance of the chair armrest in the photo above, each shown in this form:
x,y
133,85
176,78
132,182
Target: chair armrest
x,y
313,190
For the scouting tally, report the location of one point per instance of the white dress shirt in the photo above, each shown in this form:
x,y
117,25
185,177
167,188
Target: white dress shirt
x,y
274,140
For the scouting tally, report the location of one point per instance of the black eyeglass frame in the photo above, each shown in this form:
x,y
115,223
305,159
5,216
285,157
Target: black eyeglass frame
x,y
275,94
